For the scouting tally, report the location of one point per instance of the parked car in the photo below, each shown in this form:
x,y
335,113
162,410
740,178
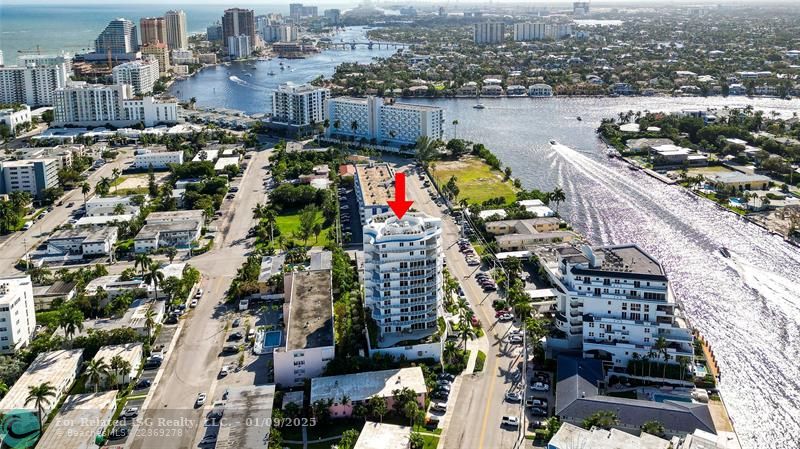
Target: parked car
x,y
510,421
501,312
70,204
199,293
130,412
118,433
230,349
440,394
144,383
208,439
443,387
475,321
251,334
224,371
446,376
236,322
515,339
513,396
193,303
538,411
534,402
201,399
506,317
236,336
439,406
443,382
540,386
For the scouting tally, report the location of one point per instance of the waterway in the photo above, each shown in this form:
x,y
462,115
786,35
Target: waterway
x,y
247,85
747,306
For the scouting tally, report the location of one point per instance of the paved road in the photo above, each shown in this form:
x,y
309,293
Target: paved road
x,y
480,404
13,248
195,364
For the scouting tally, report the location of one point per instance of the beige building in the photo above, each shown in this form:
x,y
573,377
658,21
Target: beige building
x,y
131,353
161,52
521,235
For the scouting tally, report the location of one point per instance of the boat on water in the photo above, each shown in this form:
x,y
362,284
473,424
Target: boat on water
x,y
479,106
553,142
271,73
579,118
724,251
283,68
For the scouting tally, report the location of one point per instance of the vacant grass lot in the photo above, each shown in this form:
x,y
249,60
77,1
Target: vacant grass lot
x,y
476,180
289,225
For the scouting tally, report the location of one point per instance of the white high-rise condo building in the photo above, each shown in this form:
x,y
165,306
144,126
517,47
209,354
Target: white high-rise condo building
x,y
382,121
528,31
141,75
556,31
32,84
83,104
177,36
616,302
239,46
119,40
17,313
29,175
489,32
46,60
403,262
288,33
301,105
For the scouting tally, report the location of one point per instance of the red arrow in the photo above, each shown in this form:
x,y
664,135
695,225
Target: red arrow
x,y
400,206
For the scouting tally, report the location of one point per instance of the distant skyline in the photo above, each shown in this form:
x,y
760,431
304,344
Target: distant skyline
x,y
450,3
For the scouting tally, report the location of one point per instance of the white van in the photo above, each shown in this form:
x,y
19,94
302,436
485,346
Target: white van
x,y
28,225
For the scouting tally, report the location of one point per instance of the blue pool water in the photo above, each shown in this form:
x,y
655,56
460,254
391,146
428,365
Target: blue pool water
x,y
272,339
700,370
669,397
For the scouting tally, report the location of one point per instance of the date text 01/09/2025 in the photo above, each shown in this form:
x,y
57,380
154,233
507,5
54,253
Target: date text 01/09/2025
x,y
264,422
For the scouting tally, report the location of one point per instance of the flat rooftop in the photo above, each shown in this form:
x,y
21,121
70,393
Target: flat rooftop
x,y
87,234
248,412
376,183
150,230
175,215
629,259
310,321
362,386
383,436
54,367
569,436
131,352
81,418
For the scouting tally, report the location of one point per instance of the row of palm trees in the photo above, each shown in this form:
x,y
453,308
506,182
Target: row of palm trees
x,y
660,350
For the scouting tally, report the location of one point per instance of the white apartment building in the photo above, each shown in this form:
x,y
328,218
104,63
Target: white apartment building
x,y
104,206
287,33
177,35
301,105
58,368
17,313
308,313
32,84
29,175
83,241
383,121
616,302
13,117
46,60
540,90
183,57
141,75
83,104
239,46
403,261
157,158
528,31
489,32
556,31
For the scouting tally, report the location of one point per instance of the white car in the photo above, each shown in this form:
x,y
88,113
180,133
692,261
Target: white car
x,y
506,317
539,386
130,412
515,339
513,396
224,371
193,303
201,399
439,407
199,293
511,421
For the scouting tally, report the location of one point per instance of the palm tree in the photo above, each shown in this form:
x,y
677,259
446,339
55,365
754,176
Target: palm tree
x,y
3,388
636,359
116,365
85,189
377,407
354,126
455,129
171,252
344,400
115,173
142,261
270,218
40,395
450,351
465,330
654,428
661,347
154,277
96,371
557,196
103,186
604,419
150,320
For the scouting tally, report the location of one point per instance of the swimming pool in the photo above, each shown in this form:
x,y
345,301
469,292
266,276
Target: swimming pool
x,y
668,397
272,339
700,370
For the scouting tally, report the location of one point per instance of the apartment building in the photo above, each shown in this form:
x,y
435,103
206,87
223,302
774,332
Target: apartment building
x,y
156,157
32,84
159,51
403,260
104,206
29,175
17,313
360,387
183,57
63,154
373,187
237,22
151,110
140,75
301,105
130,352
58,368
383,121
13,117
153,30
119,39
83,104
529,31
308,313
489,32
240,46
82,241
177,35
176,228
616,302
540,90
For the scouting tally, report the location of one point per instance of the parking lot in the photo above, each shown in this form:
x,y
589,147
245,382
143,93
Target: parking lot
x,y
349,216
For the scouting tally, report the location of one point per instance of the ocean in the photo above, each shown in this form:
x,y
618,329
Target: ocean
x,y
73,28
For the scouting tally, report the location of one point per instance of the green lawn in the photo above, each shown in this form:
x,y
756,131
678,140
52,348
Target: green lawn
x,y
476,181
289,225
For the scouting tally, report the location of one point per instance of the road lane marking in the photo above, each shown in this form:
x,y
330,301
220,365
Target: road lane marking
x,y
488,400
